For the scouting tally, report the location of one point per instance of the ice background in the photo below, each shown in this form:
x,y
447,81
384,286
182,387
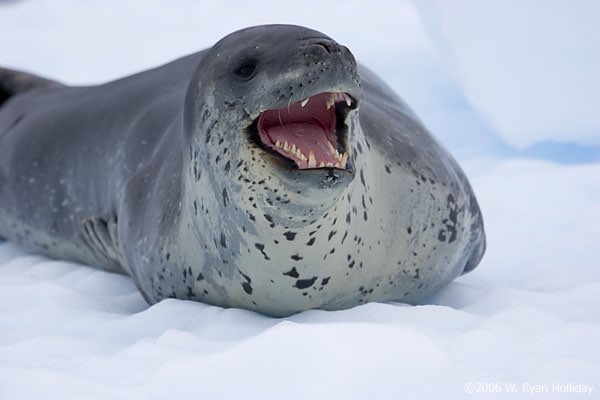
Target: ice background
x,y
510,87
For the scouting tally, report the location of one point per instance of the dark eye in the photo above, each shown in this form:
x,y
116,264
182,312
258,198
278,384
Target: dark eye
x,y
246,70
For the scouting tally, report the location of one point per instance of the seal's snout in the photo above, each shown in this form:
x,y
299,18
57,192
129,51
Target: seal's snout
x,y
306,127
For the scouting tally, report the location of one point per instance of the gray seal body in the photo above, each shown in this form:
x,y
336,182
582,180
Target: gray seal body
x,y
180,177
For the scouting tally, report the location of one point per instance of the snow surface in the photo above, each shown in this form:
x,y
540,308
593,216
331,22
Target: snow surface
x,y
529,314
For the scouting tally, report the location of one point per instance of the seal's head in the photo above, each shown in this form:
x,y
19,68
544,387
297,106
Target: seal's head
x,y
278,103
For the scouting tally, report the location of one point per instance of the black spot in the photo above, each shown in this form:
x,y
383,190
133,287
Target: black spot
x,y
227,166
387,169
190,293
292,272
311,242
305,283
261,248
223,241
362,178
325,281
297,257
442,236
348,218
409,230
247,287
225,197
331,234
269,219
197,172
246,277
289,235
365,216
168,256
351,265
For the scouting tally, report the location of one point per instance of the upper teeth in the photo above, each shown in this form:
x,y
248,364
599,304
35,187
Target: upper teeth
x,y
348,99
333,97
304,101
330,101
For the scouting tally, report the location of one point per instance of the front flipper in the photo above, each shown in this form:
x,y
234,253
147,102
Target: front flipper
x,y
101,237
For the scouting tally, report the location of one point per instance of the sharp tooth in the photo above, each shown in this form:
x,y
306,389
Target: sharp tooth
x,y
286,146
278,143
312,163
304,101
331,100
337,165
330,147
293,149
329,164
322,164
344,160
348,100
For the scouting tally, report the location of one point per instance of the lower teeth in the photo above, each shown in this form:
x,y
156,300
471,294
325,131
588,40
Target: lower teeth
x,y
310,160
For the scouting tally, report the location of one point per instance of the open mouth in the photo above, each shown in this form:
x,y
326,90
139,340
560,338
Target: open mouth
x,y
311,133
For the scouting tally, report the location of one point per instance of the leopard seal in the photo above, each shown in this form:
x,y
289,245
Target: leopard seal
x,y
270,172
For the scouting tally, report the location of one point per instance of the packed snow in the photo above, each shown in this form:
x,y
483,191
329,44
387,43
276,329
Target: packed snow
x,y
524,325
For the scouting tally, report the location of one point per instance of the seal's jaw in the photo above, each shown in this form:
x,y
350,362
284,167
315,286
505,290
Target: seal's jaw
x,y
310,134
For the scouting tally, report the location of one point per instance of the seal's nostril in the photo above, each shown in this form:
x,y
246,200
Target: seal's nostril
x,y
325,45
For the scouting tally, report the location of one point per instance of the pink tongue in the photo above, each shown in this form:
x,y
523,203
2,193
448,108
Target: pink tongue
x,y
306,137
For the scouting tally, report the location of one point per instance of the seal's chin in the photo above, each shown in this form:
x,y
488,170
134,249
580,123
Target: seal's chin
x,y
310,134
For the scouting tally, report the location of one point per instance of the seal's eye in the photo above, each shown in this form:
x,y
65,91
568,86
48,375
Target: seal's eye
x,y
246,70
